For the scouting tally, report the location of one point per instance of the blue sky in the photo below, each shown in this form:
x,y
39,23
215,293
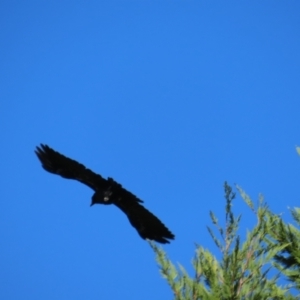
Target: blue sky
x,y
170,99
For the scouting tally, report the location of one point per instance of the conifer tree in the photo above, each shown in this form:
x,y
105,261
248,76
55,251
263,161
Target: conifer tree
x,y
246,269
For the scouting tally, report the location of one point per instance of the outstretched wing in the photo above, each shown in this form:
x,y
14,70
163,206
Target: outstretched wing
x,y
56,163
147,225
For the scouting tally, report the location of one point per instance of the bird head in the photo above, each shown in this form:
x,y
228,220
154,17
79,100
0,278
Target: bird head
x,y
102,197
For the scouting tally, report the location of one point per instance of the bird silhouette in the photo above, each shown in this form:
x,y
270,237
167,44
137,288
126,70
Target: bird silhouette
x,y
106,191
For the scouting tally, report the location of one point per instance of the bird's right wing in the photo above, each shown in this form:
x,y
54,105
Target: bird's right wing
x,y
56,163
147,224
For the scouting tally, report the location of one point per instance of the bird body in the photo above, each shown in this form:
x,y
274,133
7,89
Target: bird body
x,y
106,191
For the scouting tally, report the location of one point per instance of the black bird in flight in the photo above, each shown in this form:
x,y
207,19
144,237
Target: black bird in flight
x,y
107,191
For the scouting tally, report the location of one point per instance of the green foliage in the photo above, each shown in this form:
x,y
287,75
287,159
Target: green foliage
x,y
246,269
287,260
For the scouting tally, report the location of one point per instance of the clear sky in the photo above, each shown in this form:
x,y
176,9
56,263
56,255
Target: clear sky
x,y
170,98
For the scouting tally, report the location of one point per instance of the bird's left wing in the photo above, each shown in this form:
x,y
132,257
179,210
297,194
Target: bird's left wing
x,y
56,163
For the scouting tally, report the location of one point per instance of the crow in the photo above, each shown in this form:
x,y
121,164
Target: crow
x,y
107,191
